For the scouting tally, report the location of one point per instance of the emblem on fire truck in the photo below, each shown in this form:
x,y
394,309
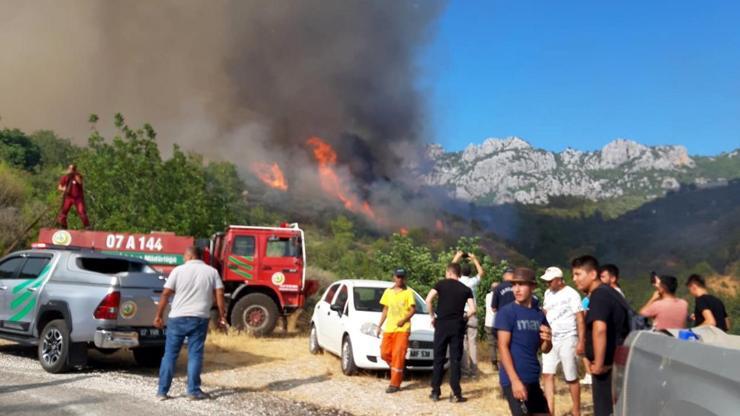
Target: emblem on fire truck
x,y
278,278
61,238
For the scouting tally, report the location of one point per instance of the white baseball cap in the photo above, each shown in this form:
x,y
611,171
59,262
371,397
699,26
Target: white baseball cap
x,y
551,273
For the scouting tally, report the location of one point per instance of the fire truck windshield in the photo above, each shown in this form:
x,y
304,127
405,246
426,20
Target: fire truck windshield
x,y
283,247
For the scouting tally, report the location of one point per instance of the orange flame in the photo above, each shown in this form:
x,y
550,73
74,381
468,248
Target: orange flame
x,y
271,175
327,159
403,231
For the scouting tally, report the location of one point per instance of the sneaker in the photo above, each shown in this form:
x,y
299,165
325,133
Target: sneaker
x,y
199,396
586,380
162,397
392,389
457,399
434,397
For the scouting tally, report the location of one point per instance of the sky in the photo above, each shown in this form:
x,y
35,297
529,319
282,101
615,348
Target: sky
x,y
582,73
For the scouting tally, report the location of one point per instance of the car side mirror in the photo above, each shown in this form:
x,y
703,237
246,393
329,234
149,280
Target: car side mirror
x,y
337,308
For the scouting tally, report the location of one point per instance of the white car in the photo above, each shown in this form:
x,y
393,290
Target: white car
x,y
345,320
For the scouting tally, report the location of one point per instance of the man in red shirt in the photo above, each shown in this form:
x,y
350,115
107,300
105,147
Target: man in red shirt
x,y
71,187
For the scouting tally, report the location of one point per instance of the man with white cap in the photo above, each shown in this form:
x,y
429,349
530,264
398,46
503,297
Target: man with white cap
x,y
565,314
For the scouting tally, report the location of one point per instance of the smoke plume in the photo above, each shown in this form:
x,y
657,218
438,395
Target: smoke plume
x,y
244,80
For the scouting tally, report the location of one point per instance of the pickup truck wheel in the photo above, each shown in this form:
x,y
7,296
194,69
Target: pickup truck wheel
x,y
313,341
349,368
53,347
149,357
255,313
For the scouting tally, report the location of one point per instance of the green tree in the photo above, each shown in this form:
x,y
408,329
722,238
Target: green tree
x,y
17,149
130,187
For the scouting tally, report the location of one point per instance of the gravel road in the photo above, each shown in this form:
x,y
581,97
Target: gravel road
x,y
112,386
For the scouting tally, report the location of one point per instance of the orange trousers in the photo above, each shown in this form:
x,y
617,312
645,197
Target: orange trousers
x,y
393,351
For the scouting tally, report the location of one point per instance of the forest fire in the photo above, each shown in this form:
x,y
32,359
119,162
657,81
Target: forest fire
x,y
330,182
404,232
270,174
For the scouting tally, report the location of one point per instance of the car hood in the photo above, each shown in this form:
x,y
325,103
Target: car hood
x,y
421,324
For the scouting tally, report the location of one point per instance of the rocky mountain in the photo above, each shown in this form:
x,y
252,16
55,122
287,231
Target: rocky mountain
x,y
510,170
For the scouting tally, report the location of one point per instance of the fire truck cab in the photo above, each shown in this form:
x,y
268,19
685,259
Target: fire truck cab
x,y
263,270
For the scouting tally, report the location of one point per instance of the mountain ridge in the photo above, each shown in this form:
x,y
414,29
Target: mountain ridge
x,y
511,170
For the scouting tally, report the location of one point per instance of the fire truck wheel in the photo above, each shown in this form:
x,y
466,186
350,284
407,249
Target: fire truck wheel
x,y
255,313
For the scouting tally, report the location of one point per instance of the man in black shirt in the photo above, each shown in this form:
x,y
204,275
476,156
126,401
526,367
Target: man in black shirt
x,y
708,309
606,321
449,328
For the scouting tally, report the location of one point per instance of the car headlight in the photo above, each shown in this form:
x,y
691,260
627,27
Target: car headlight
x,y
369,329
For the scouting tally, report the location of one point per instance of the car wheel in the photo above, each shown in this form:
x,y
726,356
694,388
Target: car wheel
x,y
53,350
313,341
255,313
349,368
149,357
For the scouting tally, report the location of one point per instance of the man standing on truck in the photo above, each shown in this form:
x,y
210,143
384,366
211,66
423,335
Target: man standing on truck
x,y
564,312
399,305
449,324
194,286
522,331
470,344
70,185
664,308
606,321
708,309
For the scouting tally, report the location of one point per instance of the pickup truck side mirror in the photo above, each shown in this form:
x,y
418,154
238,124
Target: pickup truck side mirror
x,y
337,308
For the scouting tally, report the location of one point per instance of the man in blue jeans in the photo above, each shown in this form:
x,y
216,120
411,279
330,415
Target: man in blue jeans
x,y
194,286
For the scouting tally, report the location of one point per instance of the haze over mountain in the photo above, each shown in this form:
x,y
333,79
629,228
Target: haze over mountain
x,y
509,170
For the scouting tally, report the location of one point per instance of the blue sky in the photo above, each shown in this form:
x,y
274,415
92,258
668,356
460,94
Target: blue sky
x,y
582,73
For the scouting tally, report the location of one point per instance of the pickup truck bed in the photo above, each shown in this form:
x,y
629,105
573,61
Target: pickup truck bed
x,y
659,374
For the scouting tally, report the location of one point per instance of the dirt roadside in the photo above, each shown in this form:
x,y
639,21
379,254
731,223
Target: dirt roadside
x,y
284,367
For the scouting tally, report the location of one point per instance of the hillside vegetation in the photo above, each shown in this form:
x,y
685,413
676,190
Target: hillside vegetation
x,y
130,186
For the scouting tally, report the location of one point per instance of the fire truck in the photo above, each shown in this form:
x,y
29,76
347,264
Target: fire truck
x,y
263,268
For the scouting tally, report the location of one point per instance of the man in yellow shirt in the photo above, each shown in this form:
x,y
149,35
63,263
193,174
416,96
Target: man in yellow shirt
x,y
399,306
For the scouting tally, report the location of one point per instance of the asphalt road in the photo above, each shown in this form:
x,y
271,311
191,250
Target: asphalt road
x,y
113,386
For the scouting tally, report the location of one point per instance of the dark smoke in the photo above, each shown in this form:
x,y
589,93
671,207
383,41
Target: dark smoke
x,y
245,80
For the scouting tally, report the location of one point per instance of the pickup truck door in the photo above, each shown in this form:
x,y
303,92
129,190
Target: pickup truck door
x,y
23,291
335,327
9,268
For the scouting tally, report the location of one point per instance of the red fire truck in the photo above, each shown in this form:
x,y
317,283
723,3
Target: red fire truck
x,y
263,268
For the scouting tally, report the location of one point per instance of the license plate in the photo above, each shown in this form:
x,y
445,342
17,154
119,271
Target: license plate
x,y
149,332
420,354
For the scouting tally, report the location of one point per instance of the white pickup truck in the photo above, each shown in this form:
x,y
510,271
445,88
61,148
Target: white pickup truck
x,y
658,374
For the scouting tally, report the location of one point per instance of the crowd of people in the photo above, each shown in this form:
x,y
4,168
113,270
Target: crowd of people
x,y
520,327
531,339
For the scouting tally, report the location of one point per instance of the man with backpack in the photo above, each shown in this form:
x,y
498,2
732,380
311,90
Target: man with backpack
x,y
607,324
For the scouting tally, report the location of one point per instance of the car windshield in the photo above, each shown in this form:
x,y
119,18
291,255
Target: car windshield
x,y
367,299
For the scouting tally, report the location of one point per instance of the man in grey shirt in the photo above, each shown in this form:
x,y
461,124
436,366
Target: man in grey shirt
x,y
194,286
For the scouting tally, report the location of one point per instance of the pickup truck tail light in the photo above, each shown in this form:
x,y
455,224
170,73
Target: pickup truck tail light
x,y
108,307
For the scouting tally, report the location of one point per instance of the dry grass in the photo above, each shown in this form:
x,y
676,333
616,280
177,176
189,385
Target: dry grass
x,y
724,286
282,365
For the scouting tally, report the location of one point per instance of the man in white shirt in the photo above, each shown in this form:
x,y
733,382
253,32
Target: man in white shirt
x,y
565,314
490,319
470,351
194,286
